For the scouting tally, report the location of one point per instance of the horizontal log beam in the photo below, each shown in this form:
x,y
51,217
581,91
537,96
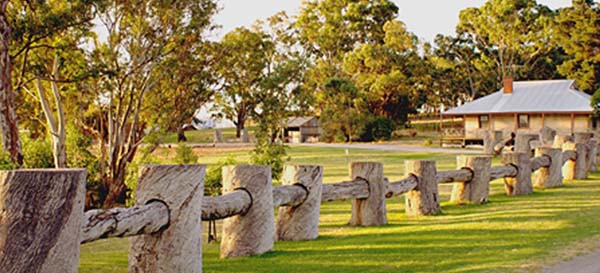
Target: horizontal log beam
x,y
453,176
123,222
354,189
503,171
227,205
401,187
539,162
289,195
568,155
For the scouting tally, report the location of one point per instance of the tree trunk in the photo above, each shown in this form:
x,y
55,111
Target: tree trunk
x,y
181,135
8,116
116,190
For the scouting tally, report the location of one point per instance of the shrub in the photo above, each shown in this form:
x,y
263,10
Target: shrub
x,y
79,156
37,153
184,154
428,142
6,163
213,181
380,128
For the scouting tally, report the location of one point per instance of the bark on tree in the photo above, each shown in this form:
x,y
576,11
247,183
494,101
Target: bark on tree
x,y
9,126
181,134
370,211
178,247
521,183
424,199
253,232
42,215
551,176
301,222
476,189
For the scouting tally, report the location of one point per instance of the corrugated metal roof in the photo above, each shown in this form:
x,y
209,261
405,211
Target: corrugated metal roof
x,y
530,97
297,121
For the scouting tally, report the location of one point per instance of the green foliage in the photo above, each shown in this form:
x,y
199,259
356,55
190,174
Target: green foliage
x,y
380,128
79,156
272,154
6,163
595,102
184,154
344,116
213,183
37,153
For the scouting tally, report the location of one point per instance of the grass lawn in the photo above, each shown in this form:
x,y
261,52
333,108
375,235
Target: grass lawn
x,y
510,234
207,135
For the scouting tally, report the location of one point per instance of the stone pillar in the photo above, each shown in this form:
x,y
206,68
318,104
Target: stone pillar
x,y
178,248
253,232
424,199
301,222
520,184
477,189
549,177
41,214
370,211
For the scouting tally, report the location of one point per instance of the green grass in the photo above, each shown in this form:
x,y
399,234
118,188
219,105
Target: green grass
x,y
206,135
510,234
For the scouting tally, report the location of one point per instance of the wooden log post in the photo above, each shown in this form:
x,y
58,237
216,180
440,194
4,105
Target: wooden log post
x,y
252,232
245,138
547,136
592,155
569,166
559,140
551,176
490,140
424,199
370,211
218,136
582,137
41,214
301,222
580,167
523,143
477,189
178,247
521,183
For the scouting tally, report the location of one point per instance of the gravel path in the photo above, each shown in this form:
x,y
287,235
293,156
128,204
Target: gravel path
x,y
392,147
589,263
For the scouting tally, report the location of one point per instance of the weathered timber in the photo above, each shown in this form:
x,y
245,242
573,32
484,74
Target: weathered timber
x,y
548,175
474,188
288,195
569,160
559,140
226,205
251,233
356,188
490,140
301,221
177,247
503,171
547,136
244,137
41,213
370,211
523,142
401,187
575,168
424,199
506,142
521,183
592,155
123,222
218,137
540,162
569,155
452,176
582,137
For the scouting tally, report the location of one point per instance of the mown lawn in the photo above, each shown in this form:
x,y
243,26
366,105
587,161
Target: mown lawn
x,y
510,234
206,135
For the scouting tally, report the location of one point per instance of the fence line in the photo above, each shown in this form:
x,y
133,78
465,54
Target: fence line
x,y
165,222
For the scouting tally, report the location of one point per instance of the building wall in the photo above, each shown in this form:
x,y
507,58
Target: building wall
x,y
506,124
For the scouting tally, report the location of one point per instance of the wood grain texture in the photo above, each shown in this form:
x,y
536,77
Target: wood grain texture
x,y
592,155
549,175
289,195
503,172
124,222
301,222
41,213
523,142
402,186
370,211
452,176
540,161
521,183
491,138
424,199
474,188
253,232
356,188
226,205
178,247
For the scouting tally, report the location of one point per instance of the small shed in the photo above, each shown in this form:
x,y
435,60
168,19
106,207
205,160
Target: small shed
x,y
301,129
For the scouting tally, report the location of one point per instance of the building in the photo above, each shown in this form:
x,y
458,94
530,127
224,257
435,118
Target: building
x,y
302,129
526,106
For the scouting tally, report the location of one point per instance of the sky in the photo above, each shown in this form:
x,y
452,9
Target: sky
x,y
425,18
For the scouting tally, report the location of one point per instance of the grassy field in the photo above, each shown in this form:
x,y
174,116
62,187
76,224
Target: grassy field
x,y
510,234
207,135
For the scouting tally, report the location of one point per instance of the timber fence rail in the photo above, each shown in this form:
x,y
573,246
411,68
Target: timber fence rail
x,y
44,224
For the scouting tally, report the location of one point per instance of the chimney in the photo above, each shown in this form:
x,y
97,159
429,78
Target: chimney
x,y
508,85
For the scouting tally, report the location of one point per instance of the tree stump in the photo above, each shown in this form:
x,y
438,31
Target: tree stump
x,y
252,232
559,140
178,248
592,155
522,143
41,214
551,176
521,183
547,136
370,211
301,222
478,188
424,199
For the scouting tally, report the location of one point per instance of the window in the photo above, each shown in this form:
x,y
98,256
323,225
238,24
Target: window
x,y
484,121
523,121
